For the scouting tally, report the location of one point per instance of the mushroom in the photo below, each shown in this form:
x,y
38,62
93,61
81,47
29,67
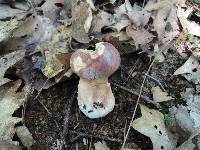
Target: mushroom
x,y
95,97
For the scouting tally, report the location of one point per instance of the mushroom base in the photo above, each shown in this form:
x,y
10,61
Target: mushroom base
x,y
95,97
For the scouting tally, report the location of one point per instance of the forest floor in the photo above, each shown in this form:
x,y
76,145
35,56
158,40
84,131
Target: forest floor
x,y
156,88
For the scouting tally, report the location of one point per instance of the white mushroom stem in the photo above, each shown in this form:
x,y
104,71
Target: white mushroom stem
x,y
95,97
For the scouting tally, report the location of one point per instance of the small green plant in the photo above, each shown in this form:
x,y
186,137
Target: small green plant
x,y
194,80
197,14
168,120
193,39
182,60
197,2
174,46
156,61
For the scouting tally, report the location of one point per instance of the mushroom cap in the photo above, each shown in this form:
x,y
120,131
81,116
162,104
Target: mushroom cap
x,y
100,63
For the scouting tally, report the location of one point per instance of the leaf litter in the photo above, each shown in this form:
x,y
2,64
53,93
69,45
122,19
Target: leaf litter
x,y
10,101
43,43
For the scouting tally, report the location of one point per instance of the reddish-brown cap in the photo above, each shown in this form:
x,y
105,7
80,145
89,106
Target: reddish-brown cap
x,y
100,63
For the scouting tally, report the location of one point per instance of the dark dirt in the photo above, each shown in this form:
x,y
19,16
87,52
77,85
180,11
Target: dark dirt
x,y
49,130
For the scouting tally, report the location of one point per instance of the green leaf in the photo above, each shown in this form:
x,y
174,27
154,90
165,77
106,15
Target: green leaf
x,y
168,120
197,1
197,13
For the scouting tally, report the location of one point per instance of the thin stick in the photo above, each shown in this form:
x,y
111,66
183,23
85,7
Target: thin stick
x,y
39,92
67,115
137,103
146,98
158,82
132,69
125,129
81,134
167,46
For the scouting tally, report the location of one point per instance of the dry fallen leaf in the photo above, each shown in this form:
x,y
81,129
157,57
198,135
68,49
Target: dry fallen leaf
x,y
194,109
163,9
152,125
190,70
8,61
184,120
188,66
88,21
121,21
6,28
124,8
10,101
79,14
33,26
53,65
7,12
91,4
101,146
100,20
53,46
4,145
36,2
188,26
159,95
24,136
187,145
140,36
52,8
139,18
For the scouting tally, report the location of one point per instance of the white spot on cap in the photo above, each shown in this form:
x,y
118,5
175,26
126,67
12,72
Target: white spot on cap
x,y
100,48
78,64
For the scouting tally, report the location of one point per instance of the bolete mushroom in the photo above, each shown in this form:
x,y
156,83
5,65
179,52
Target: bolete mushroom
x,y
95,97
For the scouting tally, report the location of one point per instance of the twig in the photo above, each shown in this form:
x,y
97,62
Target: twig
x,y
81,134
66,120
137,103
156,80
125,129
146,98
67,115
132,69
165,47
39,92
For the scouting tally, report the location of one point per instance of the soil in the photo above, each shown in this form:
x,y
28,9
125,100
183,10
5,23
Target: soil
x,y
65,126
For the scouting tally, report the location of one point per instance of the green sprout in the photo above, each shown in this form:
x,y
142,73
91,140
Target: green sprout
x,y
168,120
191,38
